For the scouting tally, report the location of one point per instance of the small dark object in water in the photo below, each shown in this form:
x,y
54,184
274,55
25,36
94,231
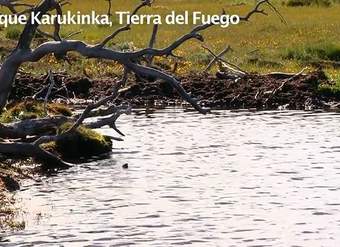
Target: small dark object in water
x,y
125,166
10,184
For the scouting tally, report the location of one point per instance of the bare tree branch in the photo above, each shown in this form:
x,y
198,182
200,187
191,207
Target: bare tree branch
x,y
127,26
39,130
49,160
52,82
217,58
109,2
231,66
91,107
147,71
13,4
257,10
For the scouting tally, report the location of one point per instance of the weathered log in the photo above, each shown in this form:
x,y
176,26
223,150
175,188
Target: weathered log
x,y
48,160
136,62
35,127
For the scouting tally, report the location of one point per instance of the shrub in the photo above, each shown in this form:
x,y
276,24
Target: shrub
x,y
331,90
299,3
307,53
201,58
83,142
125,46
30,109
13,33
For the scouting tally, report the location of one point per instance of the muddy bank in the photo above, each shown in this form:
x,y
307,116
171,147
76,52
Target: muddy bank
x,y
12,172
261,92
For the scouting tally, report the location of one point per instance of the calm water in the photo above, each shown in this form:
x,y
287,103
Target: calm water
x,y
225,179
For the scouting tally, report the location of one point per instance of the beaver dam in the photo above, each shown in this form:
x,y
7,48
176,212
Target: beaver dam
x,y
252,91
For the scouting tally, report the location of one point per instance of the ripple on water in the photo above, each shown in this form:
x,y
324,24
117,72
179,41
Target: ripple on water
x,y
224,179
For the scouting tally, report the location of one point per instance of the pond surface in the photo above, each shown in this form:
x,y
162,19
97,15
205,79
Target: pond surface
x,y
224,179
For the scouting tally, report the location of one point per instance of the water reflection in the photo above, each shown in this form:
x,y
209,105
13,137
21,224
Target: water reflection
x,y
225,179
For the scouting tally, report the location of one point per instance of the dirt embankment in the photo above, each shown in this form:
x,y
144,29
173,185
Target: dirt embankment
x,y
261,92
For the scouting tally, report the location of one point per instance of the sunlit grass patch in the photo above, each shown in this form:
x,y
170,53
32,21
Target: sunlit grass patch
x,y
30,109
200,58
306,26
333,89
13,32
313,52
298,3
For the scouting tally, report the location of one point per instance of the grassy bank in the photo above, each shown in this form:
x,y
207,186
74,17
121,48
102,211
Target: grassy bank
x,y
311,36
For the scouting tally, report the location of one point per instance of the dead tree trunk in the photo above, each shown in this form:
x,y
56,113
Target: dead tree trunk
x,y
7,75
136,62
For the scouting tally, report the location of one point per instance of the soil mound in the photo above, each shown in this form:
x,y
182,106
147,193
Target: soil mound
x,y
261,92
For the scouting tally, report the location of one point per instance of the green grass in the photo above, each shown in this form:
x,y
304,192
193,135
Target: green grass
x,y
314,52
332,90
83,142
30,110
309,26
200,58
13,32
298,3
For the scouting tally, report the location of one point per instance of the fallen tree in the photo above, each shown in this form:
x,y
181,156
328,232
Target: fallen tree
x,y
26,137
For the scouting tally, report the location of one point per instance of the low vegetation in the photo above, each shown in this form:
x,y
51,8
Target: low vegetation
x,y
331,90
13,32
298,3
83,142
314,52
306,25
10,172
30,109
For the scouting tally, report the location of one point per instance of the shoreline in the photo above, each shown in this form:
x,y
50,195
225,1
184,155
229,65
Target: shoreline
x,y
12,172
252,92
221,91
